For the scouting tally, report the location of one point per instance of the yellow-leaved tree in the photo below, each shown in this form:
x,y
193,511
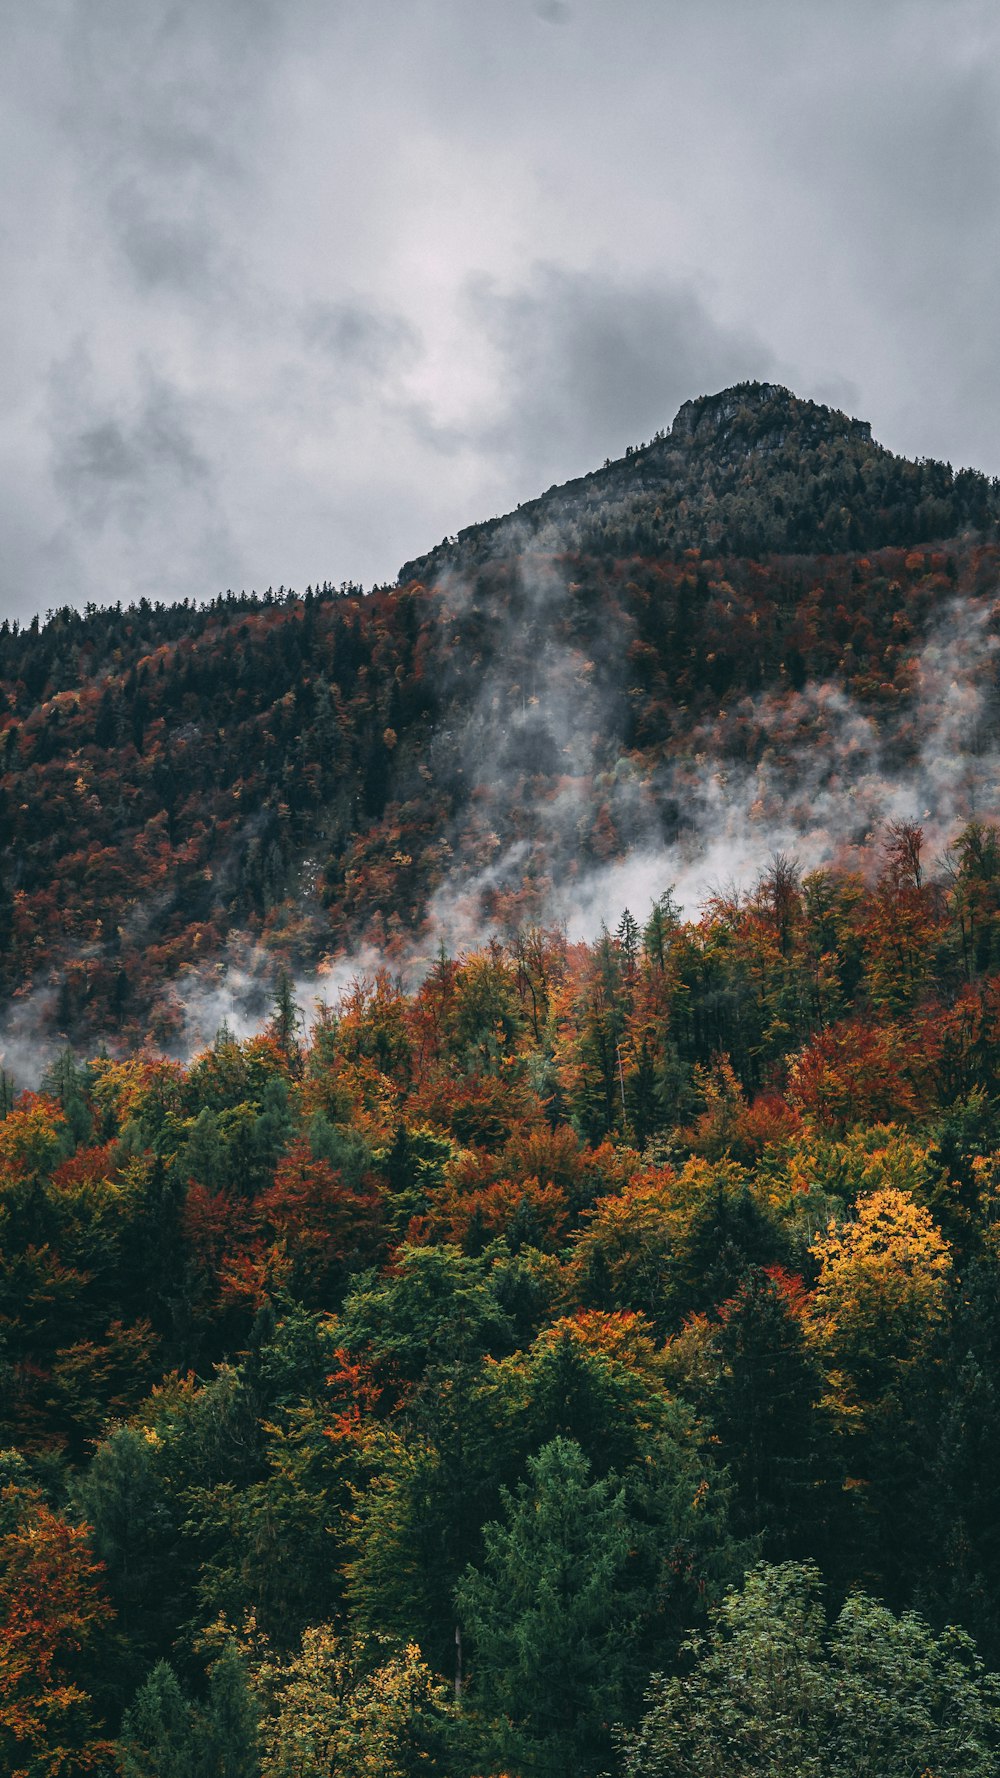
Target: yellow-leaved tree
x,y
876,1321
327,1710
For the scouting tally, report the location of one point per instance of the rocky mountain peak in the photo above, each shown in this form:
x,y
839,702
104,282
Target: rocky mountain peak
x,y
751,470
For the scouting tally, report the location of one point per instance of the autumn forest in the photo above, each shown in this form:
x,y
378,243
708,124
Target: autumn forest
x,y
444,1331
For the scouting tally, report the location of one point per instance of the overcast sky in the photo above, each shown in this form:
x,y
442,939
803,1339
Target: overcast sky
x,y
292,288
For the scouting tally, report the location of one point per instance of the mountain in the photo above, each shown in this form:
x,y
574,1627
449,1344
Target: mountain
x,y
576,1344
750,471
281,780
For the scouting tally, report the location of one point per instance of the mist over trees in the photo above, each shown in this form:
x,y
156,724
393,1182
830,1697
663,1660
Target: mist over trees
x,y
460,1361
567,1352
312,774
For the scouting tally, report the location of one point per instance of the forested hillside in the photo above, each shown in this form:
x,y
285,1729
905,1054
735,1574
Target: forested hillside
x,y
307,773
558,1355
397,1399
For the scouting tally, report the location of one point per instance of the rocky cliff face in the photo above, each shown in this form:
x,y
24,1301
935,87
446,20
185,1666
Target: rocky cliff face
x,y
760,417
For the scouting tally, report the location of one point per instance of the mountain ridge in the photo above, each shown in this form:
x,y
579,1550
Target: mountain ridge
x,y
291,781
761,431
572,1234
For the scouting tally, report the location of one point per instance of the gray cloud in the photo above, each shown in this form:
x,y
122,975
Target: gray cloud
x,y
176,250
139,498
361,336
99,461
388,267
587,355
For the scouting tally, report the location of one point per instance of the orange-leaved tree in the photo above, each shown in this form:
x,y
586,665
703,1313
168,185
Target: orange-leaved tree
x,y
52,1613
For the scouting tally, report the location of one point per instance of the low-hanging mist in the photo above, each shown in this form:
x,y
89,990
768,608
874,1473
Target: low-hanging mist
x,y
825,789
758,633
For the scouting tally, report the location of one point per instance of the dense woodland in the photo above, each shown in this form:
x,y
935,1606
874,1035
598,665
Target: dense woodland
x,y
402,1397
307,771
571,1358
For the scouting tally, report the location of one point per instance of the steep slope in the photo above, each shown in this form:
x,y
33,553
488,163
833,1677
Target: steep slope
x,y
634,666
667,1260
750,471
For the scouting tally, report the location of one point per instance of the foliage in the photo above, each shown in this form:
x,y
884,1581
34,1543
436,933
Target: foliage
x,y
395,1394
330,1708
53,1611
773,1688
551,1616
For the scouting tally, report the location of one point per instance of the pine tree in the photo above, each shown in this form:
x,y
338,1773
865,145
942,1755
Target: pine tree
x,y
549,1614
228,1728
158,1733
766,1413
286,1017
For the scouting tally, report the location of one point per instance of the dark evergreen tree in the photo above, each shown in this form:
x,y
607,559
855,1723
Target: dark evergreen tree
x,y
766,1412
551,1617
